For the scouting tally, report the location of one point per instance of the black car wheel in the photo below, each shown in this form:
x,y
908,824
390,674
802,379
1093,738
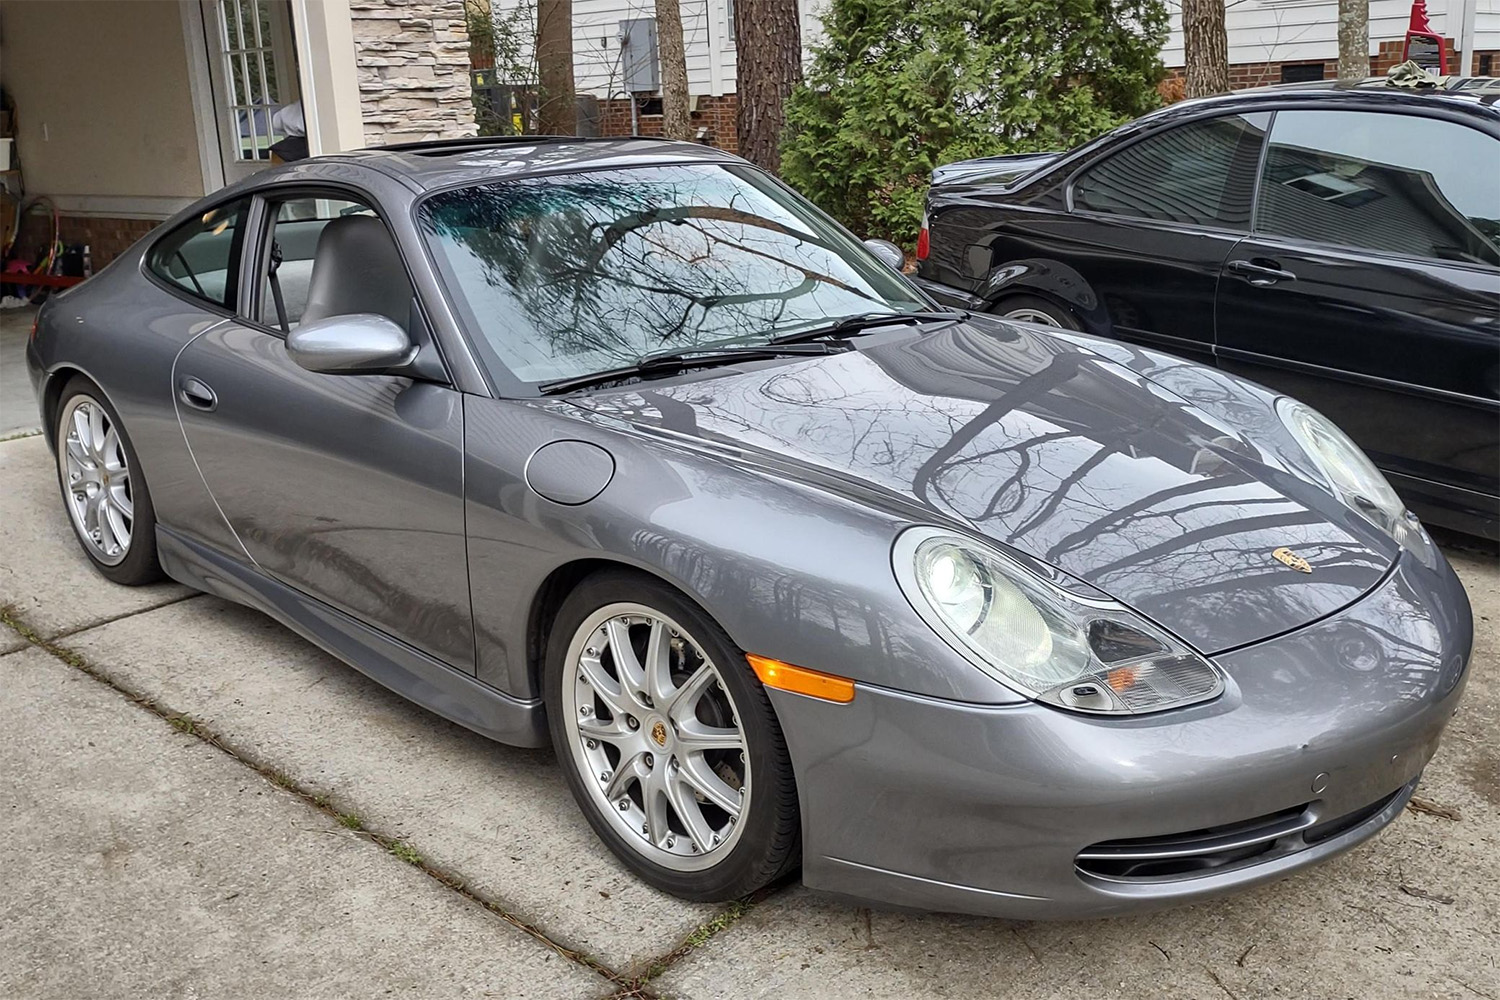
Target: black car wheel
x,y
669,742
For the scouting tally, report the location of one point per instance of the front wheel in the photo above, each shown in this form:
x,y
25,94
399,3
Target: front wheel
x,y
669,742
102,487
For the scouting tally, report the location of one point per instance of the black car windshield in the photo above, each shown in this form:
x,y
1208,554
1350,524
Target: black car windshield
x,y
568,274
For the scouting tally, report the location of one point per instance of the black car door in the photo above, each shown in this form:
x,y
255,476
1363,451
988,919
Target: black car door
x,y
1149,227
1371,289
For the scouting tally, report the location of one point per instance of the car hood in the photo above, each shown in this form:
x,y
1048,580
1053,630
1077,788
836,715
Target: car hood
x,y
1049,449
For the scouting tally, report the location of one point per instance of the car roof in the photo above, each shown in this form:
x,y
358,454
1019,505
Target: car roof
x,y
1370,94
446,163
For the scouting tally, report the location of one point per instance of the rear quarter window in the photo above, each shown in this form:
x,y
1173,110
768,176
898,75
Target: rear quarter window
x,y
201,257
1200,173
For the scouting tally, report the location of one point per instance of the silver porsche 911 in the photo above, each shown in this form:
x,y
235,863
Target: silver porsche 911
x,y
623,445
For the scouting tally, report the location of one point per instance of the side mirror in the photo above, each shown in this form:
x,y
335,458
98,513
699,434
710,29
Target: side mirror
x,y
888,252
356,344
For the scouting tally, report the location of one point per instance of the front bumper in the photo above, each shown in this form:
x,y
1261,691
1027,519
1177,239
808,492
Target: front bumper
x,y
919,802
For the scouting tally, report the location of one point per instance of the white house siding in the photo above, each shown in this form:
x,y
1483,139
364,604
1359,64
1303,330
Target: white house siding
x,y
707,39
1277,31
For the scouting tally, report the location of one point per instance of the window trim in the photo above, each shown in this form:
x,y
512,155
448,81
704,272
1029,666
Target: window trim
x,y
237,255
1083,168
1460,120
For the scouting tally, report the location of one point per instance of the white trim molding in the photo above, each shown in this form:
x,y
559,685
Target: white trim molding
x,y
200,86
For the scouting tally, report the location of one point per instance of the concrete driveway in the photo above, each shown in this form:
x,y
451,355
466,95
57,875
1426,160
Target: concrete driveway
x,y
198,803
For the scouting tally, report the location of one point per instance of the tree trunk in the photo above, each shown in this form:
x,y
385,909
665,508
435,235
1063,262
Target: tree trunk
x,y
1354,39
768,65
674,82
557,112
1205,47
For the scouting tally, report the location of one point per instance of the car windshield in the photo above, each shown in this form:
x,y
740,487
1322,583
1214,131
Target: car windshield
x,y
566,275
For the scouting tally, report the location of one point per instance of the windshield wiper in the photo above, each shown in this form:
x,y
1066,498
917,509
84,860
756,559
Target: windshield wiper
x,y
862,321
671,362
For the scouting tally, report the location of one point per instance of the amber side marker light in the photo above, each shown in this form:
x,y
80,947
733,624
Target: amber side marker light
x,y
800,680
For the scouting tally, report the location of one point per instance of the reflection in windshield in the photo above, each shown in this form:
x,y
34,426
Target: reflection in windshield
x,y
564,275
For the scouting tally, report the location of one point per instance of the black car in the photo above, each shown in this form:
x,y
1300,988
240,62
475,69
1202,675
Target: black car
x,y
1339,244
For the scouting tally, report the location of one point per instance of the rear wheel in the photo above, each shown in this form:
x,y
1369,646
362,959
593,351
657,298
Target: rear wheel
x,y
1031,309
102,487
669,742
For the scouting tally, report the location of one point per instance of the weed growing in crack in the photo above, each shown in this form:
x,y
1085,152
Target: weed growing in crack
x,y
406,853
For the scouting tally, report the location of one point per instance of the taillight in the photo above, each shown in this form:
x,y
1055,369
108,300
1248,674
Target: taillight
x,y
923,243
36,320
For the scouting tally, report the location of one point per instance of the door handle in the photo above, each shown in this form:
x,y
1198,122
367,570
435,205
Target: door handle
x,y
196,393
1261,273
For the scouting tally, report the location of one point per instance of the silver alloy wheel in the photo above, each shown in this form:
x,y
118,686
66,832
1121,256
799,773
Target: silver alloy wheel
x,y
96,477
656,736
1026,314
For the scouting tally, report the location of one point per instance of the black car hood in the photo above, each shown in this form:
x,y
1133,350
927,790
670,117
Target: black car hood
x,y
1052,450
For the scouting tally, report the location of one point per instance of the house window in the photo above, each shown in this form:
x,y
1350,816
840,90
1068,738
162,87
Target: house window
x,y
255,46
1301,72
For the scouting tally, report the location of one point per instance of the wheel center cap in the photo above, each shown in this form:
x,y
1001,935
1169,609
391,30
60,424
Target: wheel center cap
x,y
659,733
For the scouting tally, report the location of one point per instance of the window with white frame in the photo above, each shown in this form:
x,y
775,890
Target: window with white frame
x,y
258,74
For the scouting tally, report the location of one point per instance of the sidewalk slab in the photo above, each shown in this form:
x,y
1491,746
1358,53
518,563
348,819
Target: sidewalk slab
x,y
1410,914
136,861
501,818
43,572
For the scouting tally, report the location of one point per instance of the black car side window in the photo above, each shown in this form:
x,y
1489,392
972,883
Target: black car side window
x,y
1201,173
202,256
1401,184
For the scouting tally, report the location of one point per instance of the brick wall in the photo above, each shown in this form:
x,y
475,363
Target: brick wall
x,y
413,62
106,238
1390,55
1262,74
716,114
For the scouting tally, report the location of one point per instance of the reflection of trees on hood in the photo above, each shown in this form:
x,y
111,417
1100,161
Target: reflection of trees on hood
x,y
600,266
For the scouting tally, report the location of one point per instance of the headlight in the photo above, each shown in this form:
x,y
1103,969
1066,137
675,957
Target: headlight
x,y
1353,478
1082,653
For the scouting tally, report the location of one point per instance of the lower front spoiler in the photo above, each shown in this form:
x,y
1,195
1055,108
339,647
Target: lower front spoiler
x,y
865,882
1005,810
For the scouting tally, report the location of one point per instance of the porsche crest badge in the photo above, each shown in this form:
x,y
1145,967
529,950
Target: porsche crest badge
x,y
1287,557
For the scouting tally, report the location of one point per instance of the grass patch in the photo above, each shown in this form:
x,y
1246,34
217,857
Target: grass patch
x,y
350,821
406,852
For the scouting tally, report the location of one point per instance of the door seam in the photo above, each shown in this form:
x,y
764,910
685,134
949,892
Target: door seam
x,y
182,429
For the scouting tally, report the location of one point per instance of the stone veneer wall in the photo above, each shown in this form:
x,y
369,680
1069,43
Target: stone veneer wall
x,y
413,61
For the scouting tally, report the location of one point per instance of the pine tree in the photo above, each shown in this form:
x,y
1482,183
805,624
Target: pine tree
x,y
901,86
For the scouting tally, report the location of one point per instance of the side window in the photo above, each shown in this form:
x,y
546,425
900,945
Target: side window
x,y
1398,184
202,256
1201,173
336,257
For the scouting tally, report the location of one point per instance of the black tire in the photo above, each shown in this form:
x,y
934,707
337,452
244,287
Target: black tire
x,y
140,565
768,843
1030,309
